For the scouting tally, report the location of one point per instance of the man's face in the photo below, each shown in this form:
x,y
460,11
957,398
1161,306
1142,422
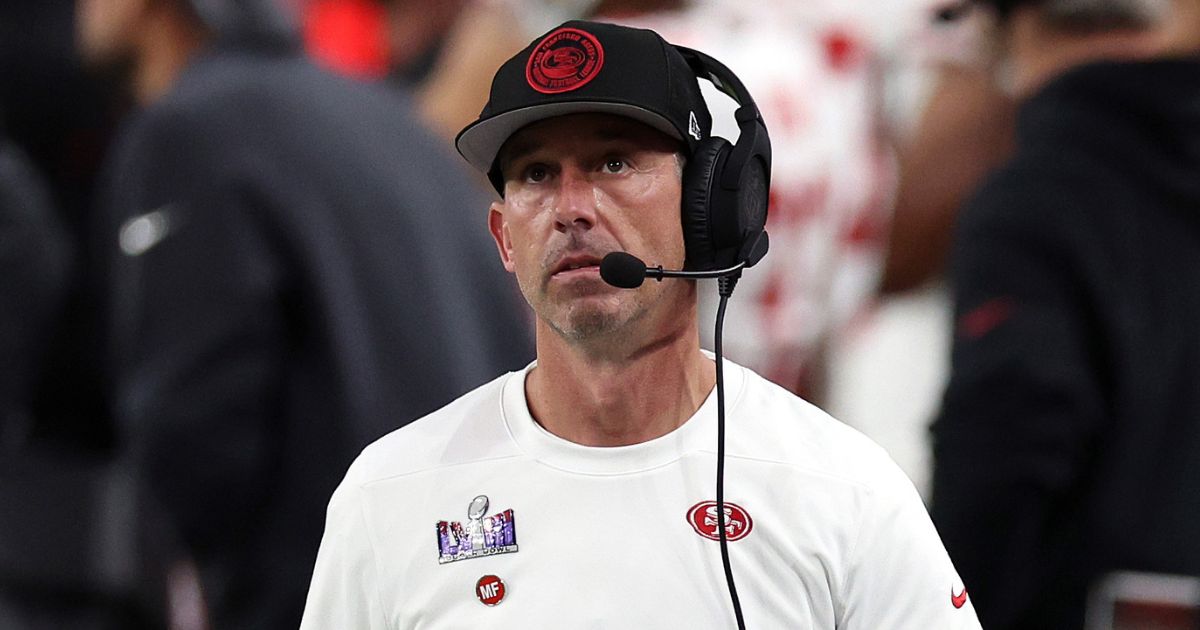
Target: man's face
x,y
576,188
105,29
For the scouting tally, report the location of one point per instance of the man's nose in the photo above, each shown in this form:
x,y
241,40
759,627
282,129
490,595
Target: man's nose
x,y
576,204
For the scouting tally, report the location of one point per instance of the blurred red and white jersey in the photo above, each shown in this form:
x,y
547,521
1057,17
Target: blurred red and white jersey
x,y
819,71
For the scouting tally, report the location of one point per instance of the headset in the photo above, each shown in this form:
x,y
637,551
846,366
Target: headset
x,y
248,22
726,187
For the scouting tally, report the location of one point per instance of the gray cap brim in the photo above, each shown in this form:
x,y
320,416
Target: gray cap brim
x,y
480,142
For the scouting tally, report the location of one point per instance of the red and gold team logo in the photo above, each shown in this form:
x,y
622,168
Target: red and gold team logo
x,y
703,519
565,60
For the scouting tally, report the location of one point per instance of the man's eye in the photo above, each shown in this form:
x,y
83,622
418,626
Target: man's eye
x,y
536,173
614,165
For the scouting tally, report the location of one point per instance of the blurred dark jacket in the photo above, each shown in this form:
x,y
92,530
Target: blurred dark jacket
x,y
297,267
1069,441
65,516
34,261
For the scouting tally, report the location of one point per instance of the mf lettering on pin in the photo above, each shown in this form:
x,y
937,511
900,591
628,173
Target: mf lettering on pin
x,y
490,590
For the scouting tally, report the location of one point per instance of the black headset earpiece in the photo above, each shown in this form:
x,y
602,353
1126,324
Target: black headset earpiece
x,y
726,187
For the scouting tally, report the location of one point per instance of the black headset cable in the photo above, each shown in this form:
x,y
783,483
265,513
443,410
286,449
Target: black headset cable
x,y
725,286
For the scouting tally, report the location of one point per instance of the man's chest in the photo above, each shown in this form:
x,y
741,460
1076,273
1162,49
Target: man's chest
x,y
516,543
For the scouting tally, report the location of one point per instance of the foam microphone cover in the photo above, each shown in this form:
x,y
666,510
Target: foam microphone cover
x,y
623,270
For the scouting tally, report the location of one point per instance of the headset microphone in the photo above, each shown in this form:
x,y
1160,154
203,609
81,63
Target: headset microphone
x,y
626,271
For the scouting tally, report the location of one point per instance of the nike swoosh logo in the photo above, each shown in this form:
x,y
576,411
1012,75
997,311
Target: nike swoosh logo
x,y
139,234
960,599
985,317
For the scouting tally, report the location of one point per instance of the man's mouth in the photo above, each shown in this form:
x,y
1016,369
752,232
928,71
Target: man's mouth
x,y
572,266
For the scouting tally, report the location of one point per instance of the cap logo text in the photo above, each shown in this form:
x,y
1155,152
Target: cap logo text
x,y
565,60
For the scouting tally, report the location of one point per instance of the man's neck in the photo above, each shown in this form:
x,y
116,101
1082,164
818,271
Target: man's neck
x,y
618,400
1040,53
164,48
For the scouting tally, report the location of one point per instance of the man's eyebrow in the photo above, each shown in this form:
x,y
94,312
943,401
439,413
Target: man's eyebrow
x,y
516,150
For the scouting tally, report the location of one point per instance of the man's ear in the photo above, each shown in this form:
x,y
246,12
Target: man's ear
x,y
499,229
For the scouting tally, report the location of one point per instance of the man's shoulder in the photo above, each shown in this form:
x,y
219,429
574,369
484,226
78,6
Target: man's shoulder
x,y
232,92
1036,188
469,429
216,74
783,428
1029,206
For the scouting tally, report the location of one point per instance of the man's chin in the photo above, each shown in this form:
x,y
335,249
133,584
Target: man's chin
x,y
586,322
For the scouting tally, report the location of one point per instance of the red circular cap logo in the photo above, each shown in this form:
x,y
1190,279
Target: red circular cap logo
x,y
490,590
565,60
703,519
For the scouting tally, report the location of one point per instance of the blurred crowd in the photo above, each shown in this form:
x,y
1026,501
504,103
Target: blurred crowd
x,y
236,247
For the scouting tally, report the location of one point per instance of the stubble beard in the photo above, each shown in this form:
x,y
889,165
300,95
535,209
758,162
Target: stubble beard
x,y
584,324
583,321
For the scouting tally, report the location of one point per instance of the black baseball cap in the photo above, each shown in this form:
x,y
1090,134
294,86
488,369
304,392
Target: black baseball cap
x,y
590,67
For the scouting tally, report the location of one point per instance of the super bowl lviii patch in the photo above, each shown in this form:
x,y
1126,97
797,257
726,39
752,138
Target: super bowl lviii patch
x,y
480,536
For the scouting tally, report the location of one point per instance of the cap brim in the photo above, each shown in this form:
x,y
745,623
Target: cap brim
x,y
480,142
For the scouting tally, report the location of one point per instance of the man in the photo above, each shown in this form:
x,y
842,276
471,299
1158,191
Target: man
x,y
598,457
1066,446
291,274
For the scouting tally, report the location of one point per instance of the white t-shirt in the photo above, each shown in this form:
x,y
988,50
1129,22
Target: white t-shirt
x,y
476,517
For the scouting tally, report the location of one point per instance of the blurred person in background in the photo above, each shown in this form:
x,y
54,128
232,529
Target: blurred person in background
x,y
1066,446
40,587
962,131
66,533
292,268
60,115
34,259
62,119
888,367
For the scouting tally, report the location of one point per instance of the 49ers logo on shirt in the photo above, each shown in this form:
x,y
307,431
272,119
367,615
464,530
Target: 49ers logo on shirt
x,y
703,518
565,60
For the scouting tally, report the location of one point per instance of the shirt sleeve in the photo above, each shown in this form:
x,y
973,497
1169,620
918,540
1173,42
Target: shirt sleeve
x,y
345,582
899,575
197,333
